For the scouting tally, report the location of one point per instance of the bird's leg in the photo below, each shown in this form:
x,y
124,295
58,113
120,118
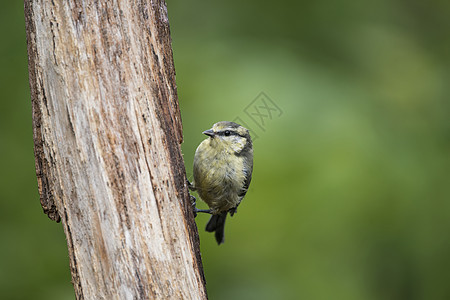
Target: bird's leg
x,y
206,211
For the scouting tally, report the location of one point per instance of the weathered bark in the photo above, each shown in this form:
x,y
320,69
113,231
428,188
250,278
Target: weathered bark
x,y
107,133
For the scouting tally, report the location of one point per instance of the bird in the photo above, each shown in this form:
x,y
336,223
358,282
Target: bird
x,y
223,167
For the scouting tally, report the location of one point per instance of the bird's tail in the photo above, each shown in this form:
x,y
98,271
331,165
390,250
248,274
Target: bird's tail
x,y
217,224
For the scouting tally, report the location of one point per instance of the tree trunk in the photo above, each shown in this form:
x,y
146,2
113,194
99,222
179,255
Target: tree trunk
x,y
107,134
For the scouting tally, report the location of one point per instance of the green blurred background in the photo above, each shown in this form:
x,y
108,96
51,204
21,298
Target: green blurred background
x,y
351,189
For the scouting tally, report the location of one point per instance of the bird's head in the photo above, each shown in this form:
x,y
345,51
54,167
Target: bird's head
x,y
230,137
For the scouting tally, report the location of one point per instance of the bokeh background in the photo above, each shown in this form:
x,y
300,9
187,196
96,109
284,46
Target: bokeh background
x,y
350,197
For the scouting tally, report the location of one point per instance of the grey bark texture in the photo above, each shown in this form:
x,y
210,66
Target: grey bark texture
x,y
107,134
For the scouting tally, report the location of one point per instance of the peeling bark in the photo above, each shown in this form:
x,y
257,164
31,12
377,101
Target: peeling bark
x,y
107,134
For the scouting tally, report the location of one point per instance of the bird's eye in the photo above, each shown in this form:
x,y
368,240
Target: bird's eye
x,y
227,133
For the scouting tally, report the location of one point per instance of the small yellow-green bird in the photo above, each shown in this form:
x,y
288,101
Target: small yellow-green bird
x,y
223,166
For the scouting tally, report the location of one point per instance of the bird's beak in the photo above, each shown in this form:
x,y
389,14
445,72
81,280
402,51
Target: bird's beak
x,y
209,132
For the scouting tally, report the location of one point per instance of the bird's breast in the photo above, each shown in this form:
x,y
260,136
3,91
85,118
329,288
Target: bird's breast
x,y
218,177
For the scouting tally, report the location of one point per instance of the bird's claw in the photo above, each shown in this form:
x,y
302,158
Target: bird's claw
x,y
193,203
190,185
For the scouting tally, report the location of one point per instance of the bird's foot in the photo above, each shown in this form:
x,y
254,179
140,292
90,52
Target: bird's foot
x,y
193,203
195,209
190,185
